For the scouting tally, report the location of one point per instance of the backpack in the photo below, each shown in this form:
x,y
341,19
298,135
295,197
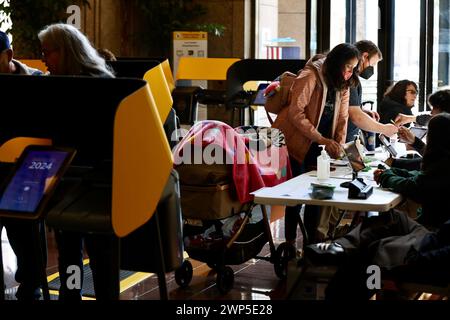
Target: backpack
x,y
277,93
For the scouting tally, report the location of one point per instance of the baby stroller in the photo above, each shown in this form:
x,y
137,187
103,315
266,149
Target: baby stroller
x,y
220,227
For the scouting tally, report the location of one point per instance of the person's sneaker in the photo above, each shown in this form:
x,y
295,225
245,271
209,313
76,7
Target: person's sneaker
x,y
325,253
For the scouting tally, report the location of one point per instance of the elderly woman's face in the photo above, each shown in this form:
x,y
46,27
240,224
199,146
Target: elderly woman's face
x,y
51,57
411,95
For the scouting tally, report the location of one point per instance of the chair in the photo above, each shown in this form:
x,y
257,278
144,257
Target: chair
x,y
186,98
203,68
253,70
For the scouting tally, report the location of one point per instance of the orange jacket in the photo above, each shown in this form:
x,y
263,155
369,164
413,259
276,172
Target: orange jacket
x,y
300,119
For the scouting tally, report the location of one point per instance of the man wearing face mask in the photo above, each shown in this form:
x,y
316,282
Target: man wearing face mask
x,y
364,119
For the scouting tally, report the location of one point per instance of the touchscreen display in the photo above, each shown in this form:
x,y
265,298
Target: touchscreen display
x,y
388,145
32,179
260,99
419,132
354,157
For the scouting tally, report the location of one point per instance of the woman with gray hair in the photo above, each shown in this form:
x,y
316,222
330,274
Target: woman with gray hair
x,y
67,51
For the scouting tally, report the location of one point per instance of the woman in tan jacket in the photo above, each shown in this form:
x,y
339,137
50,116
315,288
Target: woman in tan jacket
x,y
317,114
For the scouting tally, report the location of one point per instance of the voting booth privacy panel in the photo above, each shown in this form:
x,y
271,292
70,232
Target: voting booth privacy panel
x,y
132,68
115,128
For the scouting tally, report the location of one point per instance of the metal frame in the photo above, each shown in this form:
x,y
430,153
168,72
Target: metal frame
x,y
350,21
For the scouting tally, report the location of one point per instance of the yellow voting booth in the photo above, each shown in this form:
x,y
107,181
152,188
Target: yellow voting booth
x,y
137,123
121,176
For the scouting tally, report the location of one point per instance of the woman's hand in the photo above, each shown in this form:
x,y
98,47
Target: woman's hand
x,y
376,175
402,119
405,135
333,148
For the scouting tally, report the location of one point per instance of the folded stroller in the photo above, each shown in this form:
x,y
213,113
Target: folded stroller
x,y
219,167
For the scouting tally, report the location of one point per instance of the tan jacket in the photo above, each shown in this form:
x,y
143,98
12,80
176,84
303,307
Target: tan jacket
x,y
300,119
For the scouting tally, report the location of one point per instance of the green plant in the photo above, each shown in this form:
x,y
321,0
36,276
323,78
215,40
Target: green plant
x,y
30,16
163,17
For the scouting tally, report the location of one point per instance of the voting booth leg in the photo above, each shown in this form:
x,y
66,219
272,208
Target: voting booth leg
x,y
160,266
115,268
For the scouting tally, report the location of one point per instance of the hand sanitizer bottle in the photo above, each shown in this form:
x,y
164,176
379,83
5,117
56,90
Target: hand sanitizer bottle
x,y
323,165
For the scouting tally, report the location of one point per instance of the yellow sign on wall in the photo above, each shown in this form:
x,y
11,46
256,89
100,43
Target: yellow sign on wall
x,y
189,44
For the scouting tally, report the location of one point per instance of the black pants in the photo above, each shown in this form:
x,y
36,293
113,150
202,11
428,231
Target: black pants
x,y
22,238
102,258
312,213
367,245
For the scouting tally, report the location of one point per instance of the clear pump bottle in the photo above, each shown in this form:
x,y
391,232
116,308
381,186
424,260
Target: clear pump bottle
x,y
323,165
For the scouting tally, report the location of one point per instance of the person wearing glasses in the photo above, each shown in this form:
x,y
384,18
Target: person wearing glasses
x,y
67,51
403,248
439,102
398,99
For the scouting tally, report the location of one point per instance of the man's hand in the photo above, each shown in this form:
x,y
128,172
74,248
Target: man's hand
x,y
373,114
376,175
389,130
402,119
405,135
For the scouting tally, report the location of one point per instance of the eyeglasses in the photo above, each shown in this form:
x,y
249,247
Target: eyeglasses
x,y
413,92
47,52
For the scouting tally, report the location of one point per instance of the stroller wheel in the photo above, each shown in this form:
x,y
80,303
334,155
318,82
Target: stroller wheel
x,y
225,279
183,275
283,254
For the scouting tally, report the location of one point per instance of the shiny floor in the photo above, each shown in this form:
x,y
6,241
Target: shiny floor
x,y
254,279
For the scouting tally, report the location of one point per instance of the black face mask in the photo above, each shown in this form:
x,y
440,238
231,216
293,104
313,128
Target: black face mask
x,y
367,73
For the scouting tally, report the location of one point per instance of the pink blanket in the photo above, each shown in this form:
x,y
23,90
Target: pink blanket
x,y
259,156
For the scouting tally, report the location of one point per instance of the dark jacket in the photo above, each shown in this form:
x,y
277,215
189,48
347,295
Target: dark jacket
x,y
430,189
419,146
389,109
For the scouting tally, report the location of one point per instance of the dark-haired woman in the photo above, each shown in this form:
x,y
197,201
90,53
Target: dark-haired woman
x,y
394,242
398,99
317,114
439,102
